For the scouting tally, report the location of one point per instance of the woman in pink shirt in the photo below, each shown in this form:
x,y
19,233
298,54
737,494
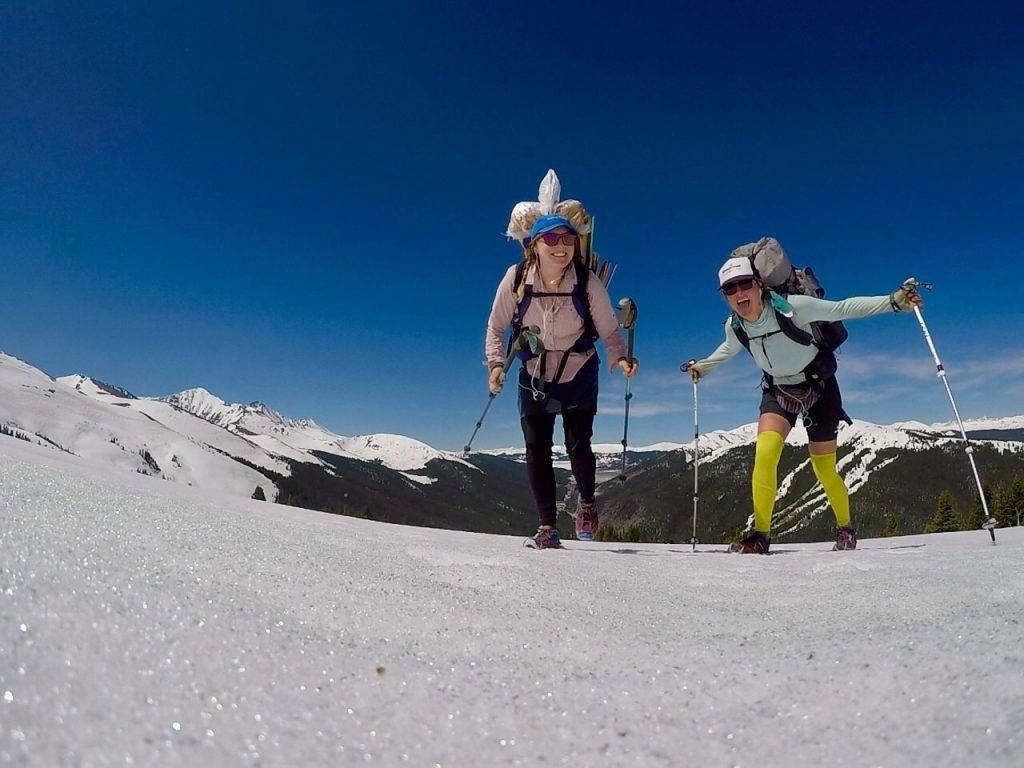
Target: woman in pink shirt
x,y
552,293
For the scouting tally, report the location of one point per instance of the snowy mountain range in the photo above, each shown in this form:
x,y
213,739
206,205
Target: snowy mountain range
x,y
195,438
192,436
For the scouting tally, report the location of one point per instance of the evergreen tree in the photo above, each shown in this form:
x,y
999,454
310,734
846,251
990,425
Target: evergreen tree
x,y
1016,502
1001,504
892,526
258,494
976,516
944,519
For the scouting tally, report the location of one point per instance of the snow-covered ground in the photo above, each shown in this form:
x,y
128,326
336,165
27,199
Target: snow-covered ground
x,y
148,623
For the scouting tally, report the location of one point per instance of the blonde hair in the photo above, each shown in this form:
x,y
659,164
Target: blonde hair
x,y
529,260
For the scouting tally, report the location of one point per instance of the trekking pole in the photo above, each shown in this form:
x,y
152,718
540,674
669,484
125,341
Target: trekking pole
x,y
685,368
626,316
529,335
990,522
696,465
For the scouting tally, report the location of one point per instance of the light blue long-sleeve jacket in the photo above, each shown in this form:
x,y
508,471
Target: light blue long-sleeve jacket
x,y
775,353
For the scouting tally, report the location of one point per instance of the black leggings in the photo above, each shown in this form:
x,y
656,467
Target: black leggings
x,y
576,402
539,430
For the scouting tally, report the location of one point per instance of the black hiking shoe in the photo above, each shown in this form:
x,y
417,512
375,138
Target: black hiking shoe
x,y
754,543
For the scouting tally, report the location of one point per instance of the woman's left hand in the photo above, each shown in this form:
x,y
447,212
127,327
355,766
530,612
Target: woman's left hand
x,y
628,367
906,297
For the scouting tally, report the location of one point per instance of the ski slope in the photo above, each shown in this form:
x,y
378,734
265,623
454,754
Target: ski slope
x,y
150,623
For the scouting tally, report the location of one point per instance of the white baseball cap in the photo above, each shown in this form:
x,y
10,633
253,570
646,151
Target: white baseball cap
x,y
736,268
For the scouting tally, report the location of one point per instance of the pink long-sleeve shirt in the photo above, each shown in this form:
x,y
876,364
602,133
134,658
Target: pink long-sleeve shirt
x,y
559,322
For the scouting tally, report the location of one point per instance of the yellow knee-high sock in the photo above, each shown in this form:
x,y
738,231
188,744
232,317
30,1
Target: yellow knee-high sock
x,y
824,465
765,482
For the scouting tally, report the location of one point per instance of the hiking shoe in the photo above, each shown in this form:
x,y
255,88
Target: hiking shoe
x,y
586,520
547,538
754,543
846,538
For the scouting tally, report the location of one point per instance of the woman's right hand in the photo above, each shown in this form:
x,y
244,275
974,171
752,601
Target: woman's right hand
x,y
495,379
690,367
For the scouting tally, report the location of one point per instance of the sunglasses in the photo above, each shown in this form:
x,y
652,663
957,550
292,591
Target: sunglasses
x,y
553,238
739,285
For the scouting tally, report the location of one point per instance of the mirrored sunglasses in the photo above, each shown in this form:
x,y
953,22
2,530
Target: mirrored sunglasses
x,y
553,238
739,285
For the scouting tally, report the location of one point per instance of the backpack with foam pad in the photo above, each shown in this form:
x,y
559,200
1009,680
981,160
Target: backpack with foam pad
x,y
585,262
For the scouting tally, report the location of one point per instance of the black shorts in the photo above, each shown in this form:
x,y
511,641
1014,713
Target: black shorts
x,y
578,394
821,420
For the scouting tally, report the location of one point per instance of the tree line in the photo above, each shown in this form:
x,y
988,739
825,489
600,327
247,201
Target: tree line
x,y
1005,503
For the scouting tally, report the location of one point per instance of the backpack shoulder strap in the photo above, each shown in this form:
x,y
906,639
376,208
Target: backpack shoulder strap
x,y
581,298
519,286
523,291
740,331
793,331
520,276
784,316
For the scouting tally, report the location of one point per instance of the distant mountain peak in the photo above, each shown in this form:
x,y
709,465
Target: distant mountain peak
x,y
79,381
257,408
235,416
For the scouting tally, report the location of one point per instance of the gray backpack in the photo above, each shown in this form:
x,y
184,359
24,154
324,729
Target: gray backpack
x,y
779,275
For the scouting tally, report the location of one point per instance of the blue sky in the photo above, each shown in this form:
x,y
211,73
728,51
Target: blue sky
x,y
303,203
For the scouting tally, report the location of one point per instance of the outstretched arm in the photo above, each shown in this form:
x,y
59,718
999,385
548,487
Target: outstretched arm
x,y
725,350
812,310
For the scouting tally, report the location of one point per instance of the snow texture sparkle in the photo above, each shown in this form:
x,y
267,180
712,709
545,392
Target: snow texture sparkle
x,y
148,623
